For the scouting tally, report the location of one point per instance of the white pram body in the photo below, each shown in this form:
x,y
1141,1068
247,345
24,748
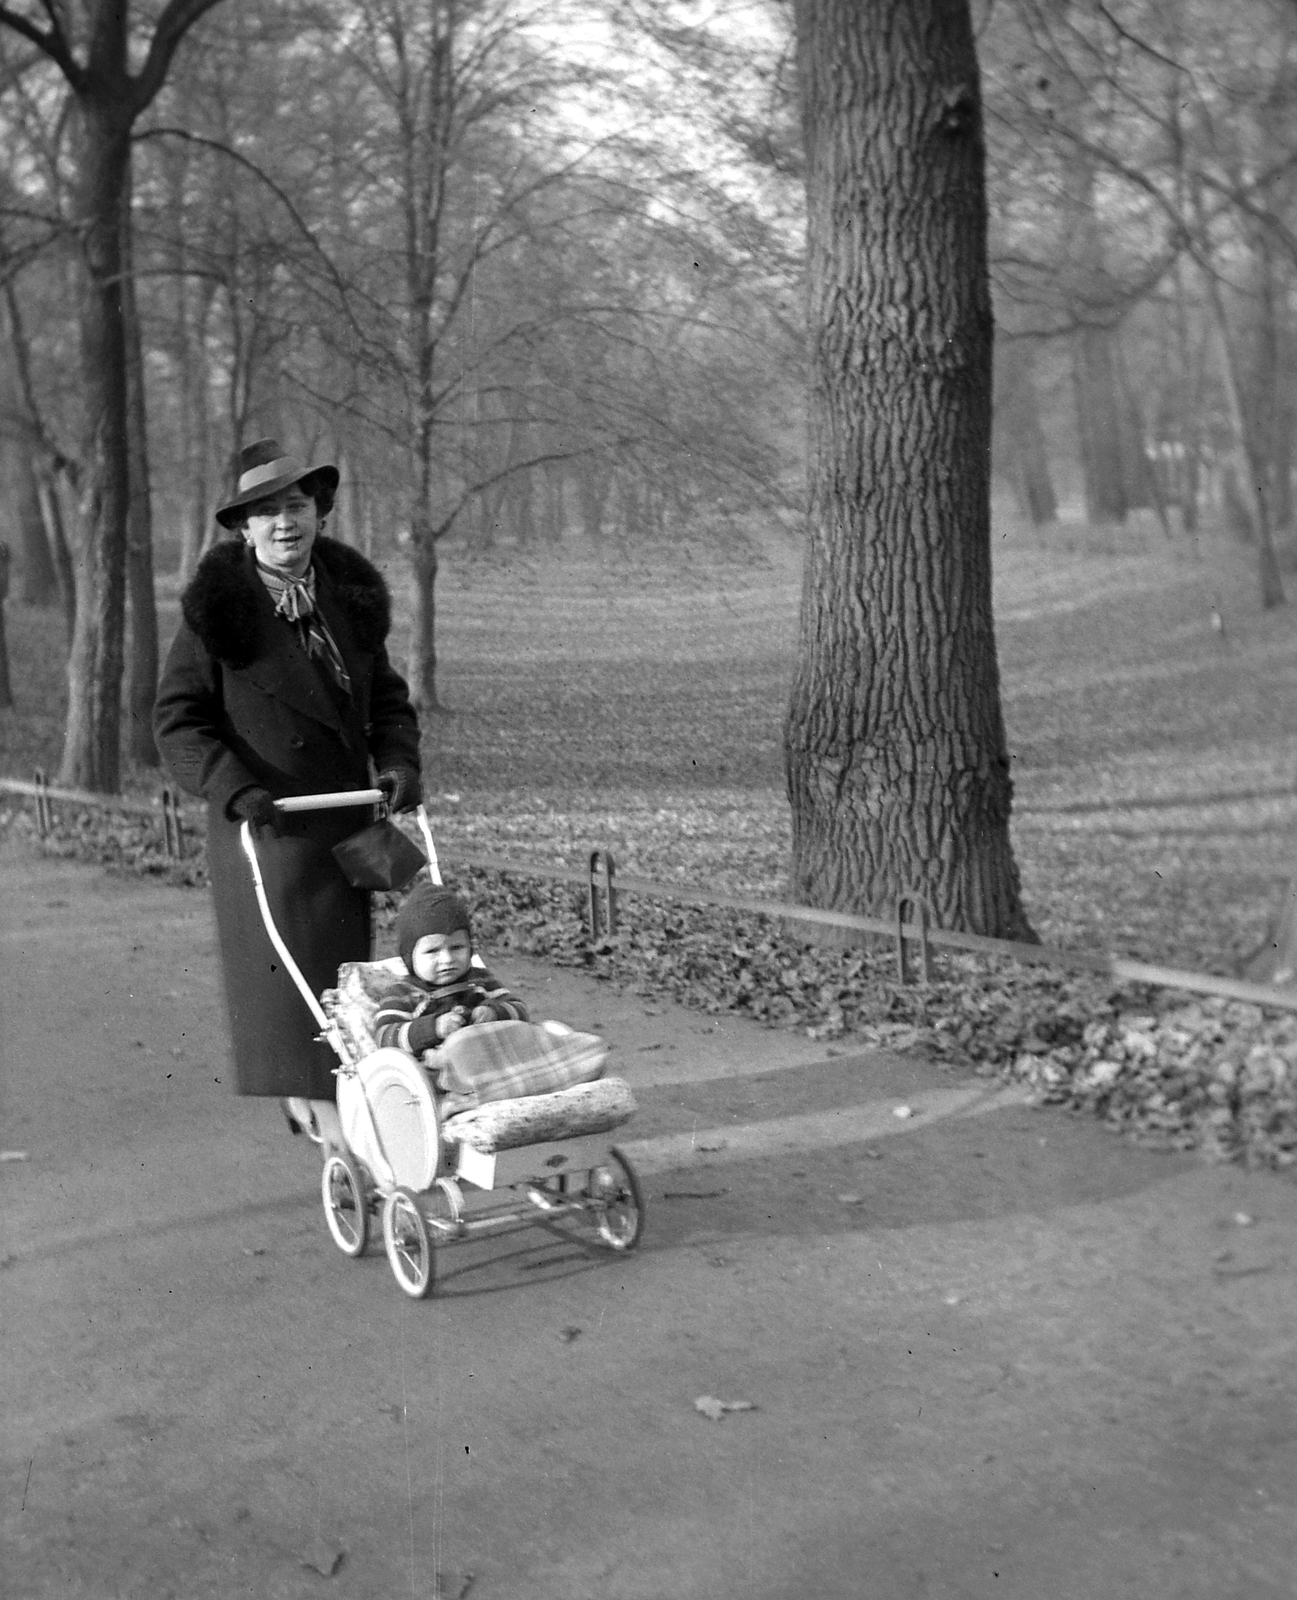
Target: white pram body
x,y
538,1153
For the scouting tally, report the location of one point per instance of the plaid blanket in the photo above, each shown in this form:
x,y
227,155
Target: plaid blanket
x,y
486,1062
506,1060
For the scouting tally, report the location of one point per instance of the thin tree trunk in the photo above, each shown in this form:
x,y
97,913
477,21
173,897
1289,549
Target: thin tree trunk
x,y
898,771
1025,448
6,685
40,584
92,743
422,671
18,451
142,671
1250,476
60,553
1098,419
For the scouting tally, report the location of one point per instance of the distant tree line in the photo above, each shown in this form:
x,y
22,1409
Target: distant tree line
x,y
528,269
461,247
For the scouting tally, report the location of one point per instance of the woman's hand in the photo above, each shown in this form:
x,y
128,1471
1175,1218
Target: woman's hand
x,y
256,806
401,788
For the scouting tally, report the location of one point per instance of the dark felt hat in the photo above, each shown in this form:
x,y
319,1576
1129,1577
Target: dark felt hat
x,y
265,469
431,908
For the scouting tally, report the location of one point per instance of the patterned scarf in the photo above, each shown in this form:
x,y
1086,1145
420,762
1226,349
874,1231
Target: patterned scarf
x,y
295,601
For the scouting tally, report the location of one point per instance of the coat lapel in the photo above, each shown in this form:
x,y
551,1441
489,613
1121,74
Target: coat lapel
x,y
359,663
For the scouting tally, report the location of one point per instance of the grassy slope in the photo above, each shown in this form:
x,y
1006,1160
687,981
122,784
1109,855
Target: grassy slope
x,y
639,706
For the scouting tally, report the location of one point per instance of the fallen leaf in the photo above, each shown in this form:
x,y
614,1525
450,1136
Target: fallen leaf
x,y
693,1194
450,1586
709,1144
872,1155
902,1111
851,1199
1242,1219
324,1556
567,1335
711,1407
13,1155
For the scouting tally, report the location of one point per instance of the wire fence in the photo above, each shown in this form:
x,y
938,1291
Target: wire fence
x,y
909,926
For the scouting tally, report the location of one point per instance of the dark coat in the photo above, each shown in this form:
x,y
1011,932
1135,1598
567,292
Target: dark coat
x,y
240,703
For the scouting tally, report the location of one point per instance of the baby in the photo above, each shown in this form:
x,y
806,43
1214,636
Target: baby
x,y
444,992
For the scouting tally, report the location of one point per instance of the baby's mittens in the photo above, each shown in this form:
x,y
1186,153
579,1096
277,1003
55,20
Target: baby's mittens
x,y
484,1013
451,1022
423,1034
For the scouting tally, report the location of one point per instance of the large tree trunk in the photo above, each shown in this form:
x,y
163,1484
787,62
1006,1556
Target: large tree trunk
x,y
142,672
898,772
91,750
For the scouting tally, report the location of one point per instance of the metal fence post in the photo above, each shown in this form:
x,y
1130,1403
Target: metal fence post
x,y
173,838
602,859
44,813
916,905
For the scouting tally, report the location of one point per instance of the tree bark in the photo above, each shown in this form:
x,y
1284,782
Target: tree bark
x,y
1098,421
60,554
19,448
40,585
897,767
1251,475
6,686
142,670
423,622
1025,452
92,749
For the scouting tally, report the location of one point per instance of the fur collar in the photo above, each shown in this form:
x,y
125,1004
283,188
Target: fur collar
x,y
221,603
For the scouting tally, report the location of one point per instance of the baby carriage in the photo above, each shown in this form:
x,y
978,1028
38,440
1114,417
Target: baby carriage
x,y
540,1154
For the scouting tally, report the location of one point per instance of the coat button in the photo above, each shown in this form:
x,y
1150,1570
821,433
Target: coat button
x,y
296,742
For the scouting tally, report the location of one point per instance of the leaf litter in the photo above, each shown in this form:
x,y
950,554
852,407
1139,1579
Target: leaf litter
x,y
1120,848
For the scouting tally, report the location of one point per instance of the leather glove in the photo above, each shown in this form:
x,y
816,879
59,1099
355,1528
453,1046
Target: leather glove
x,y
401,788
257,807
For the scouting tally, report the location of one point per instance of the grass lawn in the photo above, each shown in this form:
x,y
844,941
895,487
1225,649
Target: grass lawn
x,y
637,705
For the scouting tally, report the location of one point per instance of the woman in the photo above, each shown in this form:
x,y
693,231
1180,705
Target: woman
x,y
278,683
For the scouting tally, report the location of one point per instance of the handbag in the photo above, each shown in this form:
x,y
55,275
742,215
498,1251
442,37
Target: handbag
x,y
379,856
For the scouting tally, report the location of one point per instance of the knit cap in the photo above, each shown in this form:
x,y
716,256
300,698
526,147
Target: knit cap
x,y
431,908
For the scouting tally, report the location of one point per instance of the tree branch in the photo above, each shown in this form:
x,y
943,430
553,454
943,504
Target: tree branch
x,y
52,43
174,23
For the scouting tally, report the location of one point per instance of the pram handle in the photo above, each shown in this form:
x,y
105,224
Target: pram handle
x,y
327,802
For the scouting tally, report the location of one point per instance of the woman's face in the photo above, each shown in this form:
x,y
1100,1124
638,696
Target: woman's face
x,y
282,530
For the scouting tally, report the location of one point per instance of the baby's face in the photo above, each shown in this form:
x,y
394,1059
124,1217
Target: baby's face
x,y
442,957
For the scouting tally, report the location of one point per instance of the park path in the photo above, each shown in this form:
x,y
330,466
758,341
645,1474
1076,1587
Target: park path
x,y
992,1350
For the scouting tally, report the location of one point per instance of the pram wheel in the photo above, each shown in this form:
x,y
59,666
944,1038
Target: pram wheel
x,y
408,1242
346,1203
618,1202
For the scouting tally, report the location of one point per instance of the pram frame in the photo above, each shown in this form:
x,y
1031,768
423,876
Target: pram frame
x,y
415,1222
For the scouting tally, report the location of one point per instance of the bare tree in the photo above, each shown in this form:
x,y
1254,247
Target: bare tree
x,y
94,60
898,771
